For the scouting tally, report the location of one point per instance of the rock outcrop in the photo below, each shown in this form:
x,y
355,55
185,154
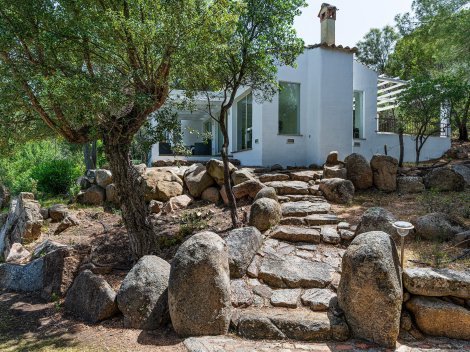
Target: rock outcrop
x,y
197,179
162,185
410,184
370,291
377,219
359,171
337,190
265,213
384,170
437,282
444,179
215,168
436,317
91,298
199,287
242,243
143,296
23,223
437,226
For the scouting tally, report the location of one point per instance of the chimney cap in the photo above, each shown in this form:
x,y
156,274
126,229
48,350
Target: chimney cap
x,y
327,11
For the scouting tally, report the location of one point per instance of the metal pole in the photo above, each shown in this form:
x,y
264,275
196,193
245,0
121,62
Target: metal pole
x,y
402,250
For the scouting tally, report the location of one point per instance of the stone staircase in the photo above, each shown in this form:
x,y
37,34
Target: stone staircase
x,y
292,280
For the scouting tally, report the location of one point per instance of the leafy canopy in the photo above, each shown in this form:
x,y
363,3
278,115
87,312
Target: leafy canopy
x,y
92,67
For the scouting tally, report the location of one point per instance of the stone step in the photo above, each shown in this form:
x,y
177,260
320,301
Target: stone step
x,y
304,208
296,234
294,272
301,197
321,219
283,323
289,187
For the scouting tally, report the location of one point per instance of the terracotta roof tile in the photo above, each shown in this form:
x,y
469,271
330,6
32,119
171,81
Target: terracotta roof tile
x,y
334,47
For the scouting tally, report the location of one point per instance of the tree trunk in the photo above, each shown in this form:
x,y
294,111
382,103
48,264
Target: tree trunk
x,y
89,155
418,151
463,132
402,148
129,184
227,184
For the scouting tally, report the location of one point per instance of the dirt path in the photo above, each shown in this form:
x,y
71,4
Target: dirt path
x,y
28,324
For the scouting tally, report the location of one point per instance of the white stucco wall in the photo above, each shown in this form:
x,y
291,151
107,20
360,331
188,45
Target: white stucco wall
x,y
336,96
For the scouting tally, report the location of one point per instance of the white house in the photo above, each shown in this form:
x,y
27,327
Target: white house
x,y
327,102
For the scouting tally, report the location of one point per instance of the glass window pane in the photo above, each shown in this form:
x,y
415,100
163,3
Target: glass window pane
x,y
289,108
244,122
358,114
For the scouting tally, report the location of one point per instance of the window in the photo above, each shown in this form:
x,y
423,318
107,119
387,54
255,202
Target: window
x,y
289,108
245,122
358,114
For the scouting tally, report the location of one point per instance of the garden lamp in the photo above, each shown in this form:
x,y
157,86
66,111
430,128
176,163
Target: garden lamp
x,y
403,228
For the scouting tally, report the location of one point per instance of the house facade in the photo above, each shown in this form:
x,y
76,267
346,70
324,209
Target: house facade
x,y
327,102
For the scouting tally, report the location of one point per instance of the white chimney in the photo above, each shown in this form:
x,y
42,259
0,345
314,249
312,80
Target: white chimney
x,y
327,17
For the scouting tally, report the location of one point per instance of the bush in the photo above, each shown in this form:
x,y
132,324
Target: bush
x,y
55,176
47,167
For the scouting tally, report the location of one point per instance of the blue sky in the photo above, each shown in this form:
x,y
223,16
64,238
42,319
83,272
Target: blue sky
x,y
354,18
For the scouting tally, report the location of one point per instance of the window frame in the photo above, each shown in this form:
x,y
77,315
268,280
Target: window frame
x,y
297,133
243,96
363,115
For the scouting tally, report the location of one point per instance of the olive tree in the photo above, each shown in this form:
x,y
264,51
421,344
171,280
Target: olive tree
x,y
96,69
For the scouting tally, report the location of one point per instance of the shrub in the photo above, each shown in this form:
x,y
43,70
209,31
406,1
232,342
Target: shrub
x,y
47,167
55,176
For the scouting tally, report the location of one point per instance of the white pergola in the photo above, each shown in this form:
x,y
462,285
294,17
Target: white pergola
x,y
388,90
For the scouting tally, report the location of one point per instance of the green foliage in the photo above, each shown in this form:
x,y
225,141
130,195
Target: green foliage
x,y
376,47
46,167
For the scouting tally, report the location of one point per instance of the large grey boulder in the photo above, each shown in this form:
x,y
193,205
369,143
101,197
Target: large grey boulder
x,y
22,278
143,296
384,170
211,194
197,179
23,223
266,192
95,195
337,190
437,282
463,170
112,194
199,287
162,184
377,219
58,212
359,171
60,268
103,177
242,243
370,291
248,188
265,213
91,298
437,226
436,317
215,168
410,184
242,175
444,179
337,171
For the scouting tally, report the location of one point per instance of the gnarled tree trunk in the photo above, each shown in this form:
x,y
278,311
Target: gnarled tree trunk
x,y
129,183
